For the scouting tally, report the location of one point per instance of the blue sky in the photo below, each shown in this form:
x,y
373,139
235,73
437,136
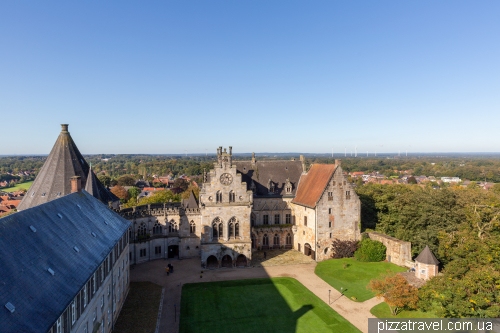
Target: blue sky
x,y
263,76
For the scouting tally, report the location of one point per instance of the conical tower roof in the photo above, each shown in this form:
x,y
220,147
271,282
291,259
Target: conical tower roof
x,y
191,202
54,179
92,185
427,257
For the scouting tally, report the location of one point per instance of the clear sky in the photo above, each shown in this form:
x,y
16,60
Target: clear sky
x,y
263,76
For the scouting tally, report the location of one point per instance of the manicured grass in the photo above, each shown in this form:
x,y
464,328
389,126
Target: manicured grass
x,y
355,277
382,310
18,187
140,311
257,305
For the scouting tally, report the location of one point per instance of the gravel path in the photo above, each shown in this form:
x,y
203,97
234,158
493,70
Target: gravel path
x,y
188,271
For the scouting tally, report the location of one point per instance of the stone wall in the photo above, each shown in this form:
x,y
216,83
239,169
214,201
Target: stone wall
x,y
425,271
398,251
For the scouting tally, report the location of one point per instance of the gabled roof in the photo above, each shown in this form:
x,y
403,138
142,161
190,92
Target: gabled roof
x,y
427,257
261,172
92,186
25,257
54,179
191,202
313,184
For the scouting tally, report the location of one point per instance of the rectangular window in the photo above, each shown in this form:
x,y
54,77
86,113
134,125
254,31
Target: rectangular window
x,y
265,219
288,218
157,249
130,255
142,253
305,221
329,224
330,235
422,271
330,211
330,196
277,219
348,194
85,296
73,315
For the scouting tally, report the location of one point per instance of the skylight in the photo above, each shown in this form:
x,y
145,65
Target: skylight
x,y
32,228
10,307
51,271
76,249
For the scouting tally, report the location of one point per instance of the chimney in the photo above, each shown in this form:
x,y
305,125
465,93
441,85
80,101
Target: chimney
x,y
64,127
76,184
303,163
337,162
253,158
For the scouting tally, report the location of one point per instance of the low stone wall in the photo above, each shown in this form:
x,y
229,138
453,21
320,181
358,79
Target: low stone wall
x,y
398,251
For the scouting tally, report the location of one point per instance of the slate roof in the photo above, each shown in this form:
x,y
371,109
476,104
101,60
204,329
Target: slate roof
x,y
427,257
25,256
276,171
54,179
313,184
191,202
92,186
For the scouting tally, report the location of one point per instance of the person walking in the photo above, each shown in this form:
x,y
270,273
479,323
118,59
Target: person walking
x,y
265,255
168,270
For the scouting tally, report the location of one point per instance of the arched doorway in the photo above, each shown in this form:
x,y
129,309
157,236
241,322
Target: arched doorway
x,y
227,261
212,262
241,261
299,247
173,251
308,251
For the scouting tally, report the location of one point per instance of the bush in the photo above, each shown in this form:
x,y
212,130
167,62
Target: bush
x,y
343,248
370,250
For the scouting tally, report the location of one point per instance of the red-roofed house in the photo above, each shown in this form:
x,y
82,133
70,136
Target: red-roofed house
x,y
326,207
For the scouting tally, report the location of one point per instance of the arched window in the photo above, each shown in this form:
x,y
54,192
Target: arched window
x,y
232,197
288,239
192,227
265,240
157,228
276,240
237,230
217,228
172,226
221,230
230,230
252,219
141,231
231,227
218,196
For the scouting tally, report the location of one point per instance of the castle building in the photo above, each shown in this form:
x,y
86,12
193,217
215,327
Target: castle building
x,y
64,266
426,264
246,206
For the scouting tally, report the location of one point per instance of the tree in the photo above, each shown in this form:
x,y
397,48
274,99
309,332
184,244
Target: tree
x,y
160,197
370,250
182,183
105,180
396,291
126,180
134,192
343,248
120,192
187,193
412,180
496,188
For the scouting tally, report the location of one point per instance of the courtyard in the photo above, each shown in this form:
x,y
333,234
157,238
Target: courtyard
x,y
257,305
279,258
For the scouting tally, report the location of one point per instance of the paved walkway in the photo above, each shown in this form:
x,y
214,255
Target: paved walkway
x,y
279,258
188,271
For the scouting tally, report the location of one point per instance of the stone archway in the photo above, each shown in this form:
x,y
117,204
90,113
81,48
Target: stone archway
x,y
212,262
241,261
308,251
227,261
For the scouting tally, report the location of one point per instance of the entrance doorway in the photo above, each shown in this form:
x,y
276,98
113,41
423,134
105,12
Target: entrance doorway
x,y
227,261
173,251
308,251
241,261
212,262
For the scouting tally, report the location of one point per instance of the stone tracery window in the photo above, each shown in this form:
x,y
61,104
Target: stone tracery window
x,y
192,227
172,226
218,196
276,240
237,230
232,197
142,230
265,240
288,239
217,230
233,228
157,228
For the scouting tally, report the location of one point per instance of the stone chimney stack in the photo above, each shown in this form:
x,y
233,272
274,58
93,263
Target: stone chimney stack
x,y
64,127
303,163
253,158
76,184
337,162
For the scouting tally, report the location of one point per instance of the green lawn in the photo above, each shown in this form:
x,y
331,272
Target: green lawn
x,y
140,311
382,310
355,278
18,187
257,305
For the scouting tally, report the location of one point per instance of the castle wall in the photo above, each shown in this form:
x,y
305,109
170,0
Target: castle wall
x,y
398,251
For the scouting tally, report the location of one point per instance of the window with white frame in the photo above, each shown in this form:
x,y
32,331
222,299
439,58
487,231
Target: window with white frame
x,y
85,296
73,314
422,271
59,325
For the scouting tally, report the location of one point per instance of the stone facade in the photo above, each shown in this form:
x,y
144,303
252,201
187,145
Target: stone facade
x,y
243,211
425,271
398,251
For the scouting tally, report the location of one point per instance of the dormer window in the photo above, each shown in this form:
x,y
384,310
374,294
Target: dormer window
x,y
288,186
270,186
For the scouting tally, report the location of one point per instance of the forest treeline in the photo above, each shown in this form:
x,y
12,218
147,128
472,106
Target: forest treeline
x,y
470,168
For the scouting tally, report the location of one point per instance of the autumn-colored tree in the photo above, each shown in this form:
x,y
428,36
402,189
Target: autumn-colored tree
x,y
182,183
120,192
396,291
343,248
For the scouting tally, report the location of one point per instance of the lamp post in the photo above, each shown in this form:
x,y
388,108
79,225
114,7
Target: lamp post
x,y
329,292
341,290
